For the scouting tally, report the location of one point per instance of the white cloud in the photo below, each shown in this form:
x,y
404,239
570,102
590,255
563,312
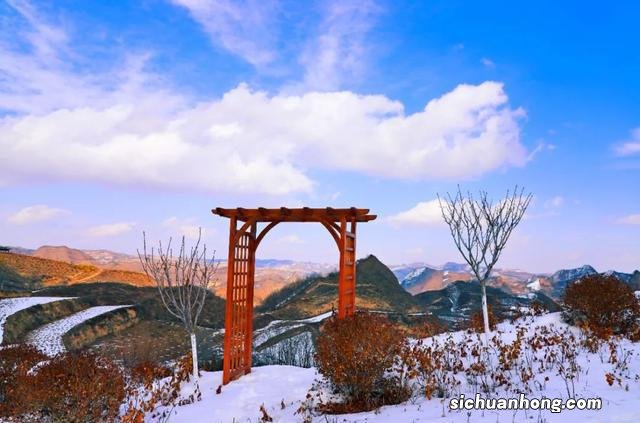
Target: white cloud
x,y
245,28
632,219
110,229
465,133
338,52
330,51
423,213
126,128
488,63
33,214
631,146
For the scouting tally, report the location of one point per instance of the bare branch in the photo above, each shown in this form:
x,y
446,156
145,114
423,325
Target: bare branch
x,y
481,228
182,281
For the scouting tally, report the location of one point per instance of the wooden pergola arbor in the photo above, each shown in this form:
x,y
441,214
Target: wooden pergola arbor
x,y
241,264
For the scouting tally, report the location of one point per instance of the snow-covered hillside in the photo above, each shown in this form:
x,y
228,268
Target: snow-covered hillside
x,y
48,338
283,389
9,306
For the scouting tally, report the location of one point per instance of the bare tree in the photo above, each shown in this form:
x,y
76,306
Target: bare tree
x,y
182,281
480,229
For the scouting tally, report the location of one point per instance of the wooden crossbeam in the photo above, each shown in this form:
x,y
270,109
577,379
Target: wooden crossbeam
x,y
304,214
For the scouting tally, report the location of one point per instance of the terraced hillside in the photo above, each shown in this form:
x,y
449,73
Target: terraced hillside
x,y
96,315
44,321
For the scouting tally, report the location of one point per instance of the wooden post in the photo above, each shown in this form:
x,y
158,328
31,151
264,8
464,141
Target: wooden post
x,y
342,306
251,271
229,307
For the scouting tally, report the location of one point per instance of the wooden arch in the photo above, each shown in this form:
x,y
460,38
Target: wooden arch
x,y
241,265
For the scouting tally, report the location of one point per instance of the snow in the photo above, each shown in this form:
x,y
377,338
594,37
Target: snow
x,y
9,306
48,338
535,285
283,389
316,319
240,400
276,327
414,273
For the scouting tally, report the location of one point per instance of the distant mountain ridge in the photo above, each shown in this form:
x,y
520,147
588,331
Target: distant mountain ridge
x,y
418,278
273,274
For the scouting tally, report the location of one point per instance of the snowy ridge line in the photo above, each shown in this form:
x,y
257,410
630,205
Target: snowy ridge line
x,y
48,338
9,306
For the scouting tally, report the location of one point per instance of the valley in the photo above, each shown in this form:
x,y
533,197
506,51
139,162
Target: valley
x,y
76,304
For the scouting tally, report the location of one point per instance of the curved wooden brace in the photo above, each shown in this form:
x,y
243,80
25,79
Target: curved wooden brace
x,y
334,225
265,230
330,228
242,230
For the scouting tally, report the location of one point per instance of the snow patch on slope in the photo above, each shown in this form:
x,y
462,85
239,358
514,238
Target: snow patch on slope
x,y
9,306
277,327
48,338
535,285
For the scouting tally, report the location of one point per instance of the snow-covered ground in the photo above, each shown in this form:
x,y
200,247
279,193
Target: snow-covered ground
x,y
276,327
9,306
283,389
48,338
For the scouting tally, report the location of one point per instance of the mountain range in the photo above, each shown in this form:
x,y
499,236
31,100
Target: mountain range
x,y
69,265
419,277
53,265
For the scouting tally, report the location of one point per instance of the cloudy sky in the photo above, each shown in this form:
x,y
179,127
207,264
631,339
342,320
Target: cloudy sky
x,y
119,117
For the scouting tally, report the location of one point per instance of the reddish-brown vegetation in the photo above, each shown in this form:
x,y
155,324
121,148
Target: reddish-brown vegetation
x,y
15,363
354,354
152,386
68,387
603,305
83,387
476,322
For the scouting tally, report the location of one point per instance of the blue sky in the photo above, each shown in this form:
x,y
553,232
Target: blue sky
x,y
119,117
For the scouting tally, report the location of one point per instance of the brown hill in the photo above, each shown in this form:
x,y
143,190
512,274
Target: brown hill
x,y
62,272
56,272
267,281
79,266
104,259
63,253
